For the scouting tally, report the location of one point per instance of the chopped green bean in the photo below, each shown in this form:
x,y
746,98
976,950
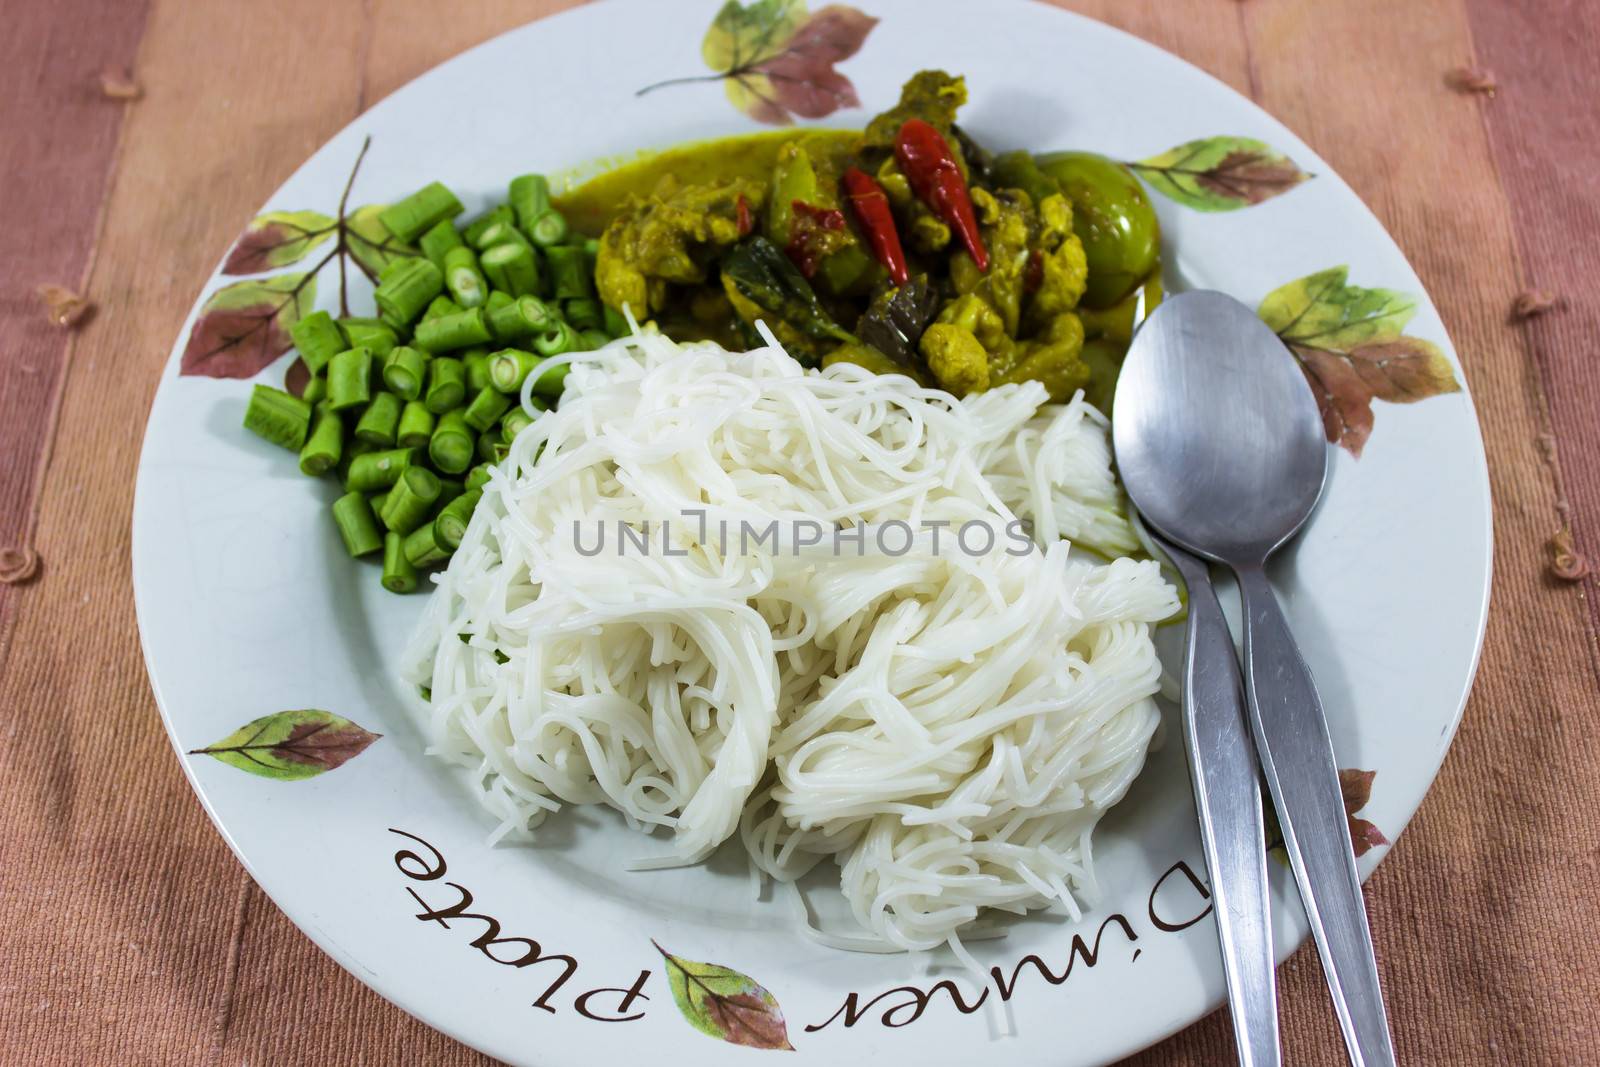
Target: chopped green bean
x,y
399,575
513,268
404,372
589,340
323,447
318,338
486,408
450,526
409,502
378,423
478,476
358,529
447,332
441,305
280,418
514,422
372,334
555,339
490,448
496,301
350,378
449,489
550,228
583,313
475,361
372,471
416,425
474,231
451,446
616,323
446,385
441,237
503,232
405,290
520,318
422,550
570,278
509,367
529,196
316,391
407,219
549,383
462,277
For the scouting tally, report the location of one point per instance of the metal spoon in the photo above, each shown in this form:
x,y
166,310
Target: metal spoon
x,y
1220,446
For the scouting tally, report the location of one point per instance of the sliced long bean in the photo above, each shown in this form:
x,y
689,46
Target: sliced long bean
x,y
450,526
448,332
372,334
411,500
570,278
512,268
380,421
325,445
447,386
404,372
441,237
358,528
405,289
486,408
416,426
371,472
318,339
350,379
399,574
408,219
466,283
280,418
529,196
451,447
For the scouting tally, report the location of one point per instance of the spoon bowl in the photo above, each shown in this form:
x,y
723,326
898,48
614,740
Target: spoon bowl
x,y
1218,440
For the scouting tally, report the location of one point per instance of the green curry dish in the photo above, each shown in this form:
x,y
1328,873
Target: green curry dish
x,y
1055,359
932,96
967,345
672,237
896,318
763,284
1007,263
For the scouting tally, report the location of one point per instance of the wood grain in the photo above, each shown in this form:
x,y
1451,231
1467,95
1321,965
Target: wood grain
x,y
131,935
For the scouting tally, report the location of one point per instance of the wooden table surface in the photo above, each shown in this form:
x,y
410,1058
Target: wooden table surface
x,y
129,932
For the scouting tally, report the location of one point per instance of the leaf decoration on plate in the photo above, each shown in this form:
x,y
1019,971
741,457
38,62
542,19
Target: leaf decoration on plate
x,y
291,745
1220,173
1351,345
245,326
726,1004
1355,787
277,239
296,378
776,59
370,243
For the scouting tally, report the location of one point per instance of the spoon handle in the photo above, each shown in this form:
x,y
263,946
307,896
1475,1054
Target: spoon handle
x,y
1227,794
1297,756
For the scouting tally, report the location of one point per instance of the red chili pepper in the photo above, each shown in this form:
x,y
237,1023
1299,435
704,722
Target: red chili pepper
x,y
871,206
935,177
742,215
808,223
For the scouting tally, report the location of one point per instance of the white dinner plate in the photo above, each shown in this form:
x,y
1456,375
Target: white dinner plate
x,y
248,605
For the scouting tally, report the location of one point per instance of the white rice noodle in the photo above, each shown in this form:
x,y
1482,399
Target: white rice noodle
x,y
948,728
